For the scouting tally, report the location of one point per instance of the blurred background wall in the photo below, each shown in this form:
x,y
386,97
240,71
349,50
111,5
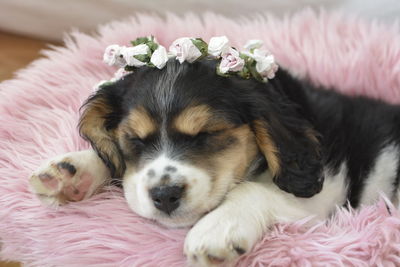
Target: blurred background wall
x,y
48,19
27,26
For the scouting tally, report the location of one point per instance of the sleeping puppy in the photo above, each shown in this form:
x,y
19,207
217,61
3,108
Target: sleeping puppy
x,y
227,155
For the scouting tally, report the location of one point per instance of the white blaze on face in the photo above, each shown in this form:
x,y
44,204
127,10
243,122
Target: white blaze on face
x,y
196,197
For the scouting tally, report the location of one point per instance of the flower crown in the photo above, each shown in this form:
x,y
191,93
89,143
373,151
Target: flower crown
x,y
252,62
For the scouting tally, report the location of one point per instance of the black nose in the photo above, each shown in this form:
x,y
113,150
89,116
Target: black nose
x,y
166,198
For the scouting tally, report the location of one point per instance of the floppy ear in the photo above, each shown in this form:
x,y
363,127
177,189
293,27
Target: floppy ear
x,y
101,115
290,144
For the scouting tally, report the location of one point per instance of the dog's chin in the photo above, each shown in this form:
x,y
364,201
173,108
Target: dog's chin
x,y
177,221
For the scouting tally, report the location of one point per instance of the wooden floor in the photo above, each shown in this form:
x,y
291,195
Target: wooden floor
x,y
9,264
16,52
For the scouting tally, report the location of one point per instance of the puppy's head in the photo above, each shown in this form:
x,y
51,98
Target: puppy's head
x,y
181,137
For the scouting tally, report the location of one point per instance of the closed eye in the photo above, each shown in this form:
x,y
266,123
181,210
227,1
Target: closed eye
x,y
208,134
203,135
137,141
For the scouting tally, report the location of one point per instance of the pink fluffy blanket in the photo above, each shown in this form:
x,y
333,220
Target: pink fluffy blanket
x,y
39,113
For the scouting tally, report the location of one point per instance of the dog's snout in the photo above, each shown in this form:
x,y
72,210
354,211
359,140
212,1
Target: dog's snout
x,y
166,198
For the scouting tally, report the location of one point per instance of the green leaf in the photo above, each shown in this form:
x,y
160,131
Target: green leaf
x,y
129,68
244,73
143,58
105,84
201,45
152,45
151,65
140,40
253,71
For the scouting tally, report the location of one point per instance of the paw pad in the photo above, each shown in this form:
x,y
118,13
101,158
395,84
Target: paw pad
x,y
58,183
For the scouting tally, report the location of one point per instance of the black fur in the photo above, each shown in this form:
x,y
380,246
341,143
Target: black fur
x,y
354,129
351,129
67,166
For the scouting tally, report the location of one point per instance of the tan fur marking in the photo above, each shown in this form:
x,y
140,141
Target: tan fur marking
x,y
241,155
91,126
141,123
232,163
192,119
267,146
196,119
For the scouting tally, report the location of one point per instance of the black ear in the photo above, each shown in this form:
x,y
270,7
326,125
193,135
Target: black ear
x,y
287,139
101,115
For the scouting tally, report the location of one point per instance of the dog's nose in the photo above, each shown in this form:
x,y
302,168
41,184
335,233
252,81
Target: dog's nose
x,y
166,198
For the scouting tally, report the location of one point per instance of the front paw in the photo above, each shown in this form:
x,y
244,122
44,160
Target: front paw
x,y
219,238
62,180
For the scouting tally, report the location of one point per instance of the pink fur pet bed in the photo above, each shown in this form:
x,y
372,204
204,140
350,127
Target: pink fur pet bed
x,y
39,113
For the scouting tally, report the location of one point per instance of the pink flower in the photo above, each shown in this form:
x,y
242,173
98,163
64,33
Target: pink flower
x,y
112,56
231,61
184,50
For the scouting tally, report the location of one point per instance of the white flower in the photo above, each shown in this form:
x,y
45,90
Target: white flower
x,y
184,50
259,54
253,44
129,54
231,61
218,45
265,64
267,67
112,56
247,53
159,57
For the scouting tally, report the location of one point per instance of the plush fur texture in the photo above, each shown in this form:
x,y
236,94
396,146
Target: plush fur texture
x,y
39,114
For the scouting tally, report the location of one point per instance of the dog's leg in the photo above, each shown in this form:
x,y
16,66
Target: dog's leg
x,y
240,221
70,177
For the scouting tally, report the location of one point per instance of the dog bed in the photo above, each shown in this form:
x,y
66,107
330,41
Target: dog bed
x,y
40,108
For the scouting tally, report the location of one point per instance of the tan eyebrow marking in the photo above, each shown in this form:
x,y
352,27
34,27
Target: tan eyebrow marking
x,y
192,119
195,119
141,123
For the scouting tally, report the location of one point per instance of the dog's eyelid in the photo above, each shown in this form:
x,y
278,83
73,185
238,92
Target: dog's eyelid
x,y
213,131
137,141
207,133
217,126
135,137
